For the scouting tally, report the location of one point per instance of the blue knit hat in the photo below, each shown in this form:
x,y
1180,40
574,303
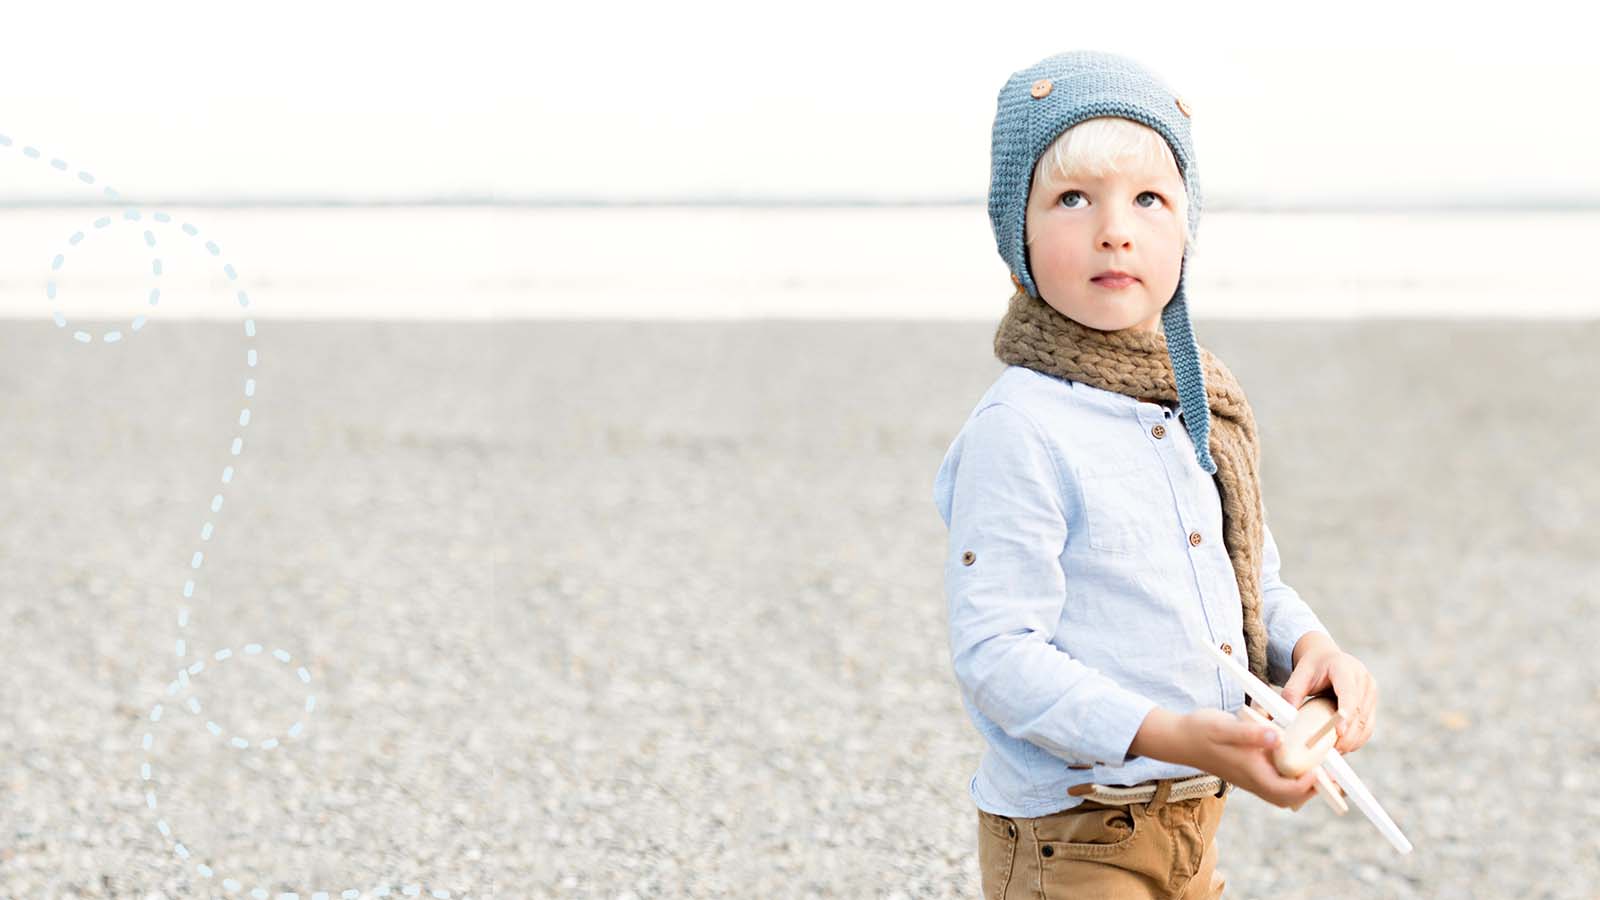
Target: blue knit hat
x,y
1047,98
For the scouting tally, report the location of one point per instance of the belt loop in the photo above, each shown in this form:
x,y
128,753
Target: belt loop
x,y
1163,788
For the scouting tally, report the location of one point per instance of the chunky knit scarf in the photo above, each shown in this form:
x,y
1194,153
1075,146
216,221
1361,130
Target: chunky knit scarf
x,y
1033,334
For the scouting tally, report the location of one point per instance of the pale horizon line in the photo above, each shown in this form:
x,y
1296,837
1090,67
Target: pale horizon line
x,y
778,201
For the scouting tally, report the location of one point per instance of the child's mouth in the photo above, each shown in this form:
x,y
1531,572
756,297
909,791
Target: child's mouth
x,y
1115,282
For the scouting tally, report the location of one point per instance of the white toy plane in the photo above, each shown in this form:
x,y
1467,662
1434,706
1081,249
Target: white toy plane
x,y
1311,744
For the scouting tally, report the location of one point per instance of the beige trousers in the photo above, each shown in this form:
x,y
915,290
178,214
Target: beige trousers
x,y
1141,850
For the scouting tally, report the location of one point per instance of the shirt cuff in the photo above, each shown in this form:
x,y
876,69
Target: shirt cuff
x,y
1112,721
1291,623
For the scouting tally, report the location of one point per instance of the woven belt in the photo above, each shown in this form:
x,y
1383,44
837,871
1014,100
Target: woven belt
x,y
1198,786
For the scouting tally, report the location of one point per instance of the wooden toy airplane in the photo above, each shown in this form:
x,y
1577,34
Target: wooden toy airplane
x,y
1306,739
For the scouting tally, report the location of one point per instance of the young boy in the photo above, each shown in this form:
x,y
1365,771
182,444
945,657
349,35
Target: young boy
x,y
1105,518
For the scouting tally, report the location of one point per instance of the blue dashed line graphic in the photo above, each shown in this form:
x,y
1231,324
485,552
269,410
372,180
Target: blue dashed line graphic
x,y
186,671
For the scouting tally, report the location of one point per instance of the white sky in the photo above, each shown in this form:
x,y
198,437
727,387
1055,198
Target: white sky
x,y
1380,102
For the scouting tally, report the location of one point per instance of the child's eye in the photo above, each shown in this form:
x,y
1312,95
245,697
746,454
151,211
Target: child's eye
x,y
1066,199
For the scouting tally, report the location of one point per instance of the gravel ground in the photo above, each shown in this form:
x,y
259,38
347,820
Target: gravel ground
x,y
649,610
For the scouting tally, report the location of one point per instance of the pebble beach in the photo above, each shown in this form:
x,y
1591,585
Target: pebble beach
x,y
634,609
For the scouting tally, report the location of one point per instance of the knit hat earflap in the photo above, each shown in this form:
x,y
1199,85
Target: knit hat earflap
x,y
1035,106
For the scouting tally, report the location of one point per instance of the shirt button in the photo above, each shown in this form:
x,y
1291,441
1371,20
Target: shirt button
x,y
1228,649
968,558
1040,88
1160,431
1194,538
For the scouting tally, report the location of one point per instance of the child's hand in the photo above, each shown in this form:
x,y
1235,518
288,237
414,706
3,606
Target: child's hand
x,y
1240,751
1353,685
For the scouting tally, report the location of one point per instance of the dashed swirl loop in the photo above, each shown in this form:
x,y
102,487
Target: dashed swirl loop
x,y
186,672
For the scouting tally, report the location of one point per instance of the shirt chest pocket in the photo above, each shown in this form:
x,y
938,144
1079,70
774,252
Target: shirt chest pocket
x,y
1127,508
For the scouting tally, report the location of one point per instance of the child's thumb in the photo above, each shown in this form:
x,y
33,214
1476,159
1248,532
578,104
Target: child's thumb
x,y
1294,690
1247,732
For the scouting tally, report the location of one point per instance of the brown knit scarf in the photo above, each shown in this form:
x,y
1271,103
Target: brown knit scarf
x,y
1036,336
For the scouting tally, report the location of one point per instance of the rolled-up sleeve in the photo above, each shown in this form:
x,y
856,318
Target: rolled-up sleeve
x,y
1287,617
1006,588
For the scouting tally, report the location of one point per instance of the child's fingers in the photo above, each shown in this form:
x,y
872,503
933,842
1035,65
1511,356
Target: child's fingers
x,y
1357,719
1365,733
1306,786
1296,791
1356,731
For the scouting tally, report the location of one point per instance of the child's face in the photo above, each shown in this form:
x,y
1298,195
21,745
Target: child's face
x,y
1079,227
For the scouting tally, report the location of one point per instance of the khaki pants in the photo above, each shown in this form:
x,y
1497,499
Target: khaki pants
x,y
1141,850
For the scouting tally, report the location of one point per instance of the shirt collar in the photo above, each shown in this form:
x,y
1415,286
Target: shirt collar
x,y
1121,401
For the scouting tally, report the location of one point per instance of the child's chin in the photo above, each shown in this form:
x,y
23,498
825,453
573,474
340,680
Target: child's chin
x,y
1106,314
1114,321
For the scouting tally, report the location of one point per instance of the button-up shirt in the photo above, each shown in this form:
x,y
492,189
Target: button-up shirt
x,y
1085,562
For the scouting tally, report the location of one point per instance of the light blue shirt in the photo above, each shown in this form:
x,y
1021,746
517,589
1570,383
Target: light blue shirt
x,y
1076,594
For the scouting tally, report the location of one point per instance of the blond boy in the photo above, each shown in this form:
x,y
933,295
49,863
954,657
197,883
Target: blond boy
x,y
1106,521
